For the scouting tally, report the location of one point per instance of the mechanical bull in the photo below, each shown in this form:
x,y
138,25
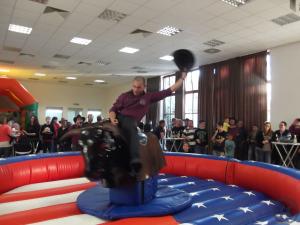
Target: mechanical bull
x,y
107,157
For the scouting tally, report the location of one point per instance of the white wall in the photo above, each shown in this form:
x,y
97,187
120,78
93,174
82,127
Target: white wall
x,y
285,71
59,95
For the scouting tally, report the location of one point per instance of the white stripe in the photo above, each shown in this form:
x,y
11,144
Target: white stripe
x,y
73,220
50,184
16,206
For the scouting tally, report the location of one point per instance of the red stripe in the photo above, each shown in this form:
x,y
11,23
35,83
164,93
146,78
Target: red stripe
x,y
164,220
44,193
40,214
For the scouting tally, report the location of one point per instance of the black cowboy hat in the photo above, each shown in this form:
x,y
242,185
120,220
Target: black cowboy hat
x,y
78,116
184,59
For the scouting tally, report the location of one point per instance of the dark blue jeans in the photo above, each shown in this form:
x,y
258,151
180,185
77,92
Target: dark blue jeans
x,y
263,156
128,128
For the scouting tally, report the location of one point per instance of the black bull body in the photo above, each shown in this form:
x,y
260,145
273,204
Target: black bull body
x,y
107,156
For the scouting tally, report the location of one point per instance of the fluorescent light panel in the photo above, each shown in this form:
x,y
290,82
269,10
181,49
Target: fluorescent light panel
x,y
71,78
40,74
235,3
167,57
169,31
129,50
80,41
3,70
99,81
19,29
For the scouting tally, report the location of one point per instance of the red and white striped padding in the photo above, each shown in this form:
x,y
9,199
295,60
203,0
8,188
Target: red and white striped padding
x,y
51,202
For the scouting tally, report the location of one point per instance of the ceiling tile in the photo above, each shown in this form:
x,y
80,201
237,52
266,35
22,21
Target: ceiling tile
x,y
68,5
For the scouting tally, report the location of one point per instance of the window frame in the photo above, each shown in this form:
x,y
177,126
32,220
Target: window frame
x,y
194,112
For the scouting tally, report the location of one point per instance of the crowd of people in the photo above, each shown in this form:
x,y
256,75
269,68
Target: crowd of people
x,y
230,138
41,138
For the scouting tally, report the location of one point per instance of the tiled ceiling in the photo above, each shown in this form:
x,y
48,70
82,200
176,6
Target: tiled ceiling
x,y
243,30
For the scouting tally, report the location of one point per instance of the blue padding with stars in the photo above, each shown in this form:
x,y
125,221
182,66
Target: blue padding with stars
x,y
215,203
96,202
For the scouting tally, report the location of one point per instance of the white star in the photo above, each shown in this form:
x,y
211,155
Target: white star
x,y
219,217
193,183
283,216
245,209
183,176
268,202
249,193
163,179
262,223
232,185
194,193
227,198
215,189
210,180
199,205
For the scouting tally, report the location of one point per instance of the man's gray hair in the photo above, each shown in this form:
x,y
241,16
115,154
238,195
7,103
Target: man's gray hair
x,y
140,79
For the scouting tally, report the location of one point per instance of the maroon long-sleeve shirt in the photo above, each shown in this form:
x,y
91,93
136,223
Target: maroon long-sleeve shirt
x,y
136,106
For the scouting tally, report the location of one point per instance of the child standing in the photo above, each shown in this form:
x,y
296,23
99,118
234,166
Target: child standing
x,y
229,146
226,125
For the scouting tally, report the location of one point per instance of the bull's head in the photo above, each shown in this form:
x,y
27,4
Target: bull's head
x,y
106,155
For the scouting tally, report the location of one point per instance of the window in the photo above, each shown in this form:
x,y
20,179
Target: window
x,y
72,112
269,87
54,111
191,86
95,113
169,102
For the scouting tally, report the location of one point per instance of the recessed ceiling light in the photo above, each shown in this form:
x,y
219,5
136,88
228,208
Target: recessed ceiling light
x,y
99,81
40,74
167,57
2,70
169,31
19,29
129,50
71,78
80,41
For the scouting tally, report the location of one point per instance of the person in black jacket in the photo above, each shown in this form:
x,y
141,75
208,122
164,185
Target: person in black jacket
x,y
63,145
240,142
263,143
33,132
201,138
160,131
281,135
47,132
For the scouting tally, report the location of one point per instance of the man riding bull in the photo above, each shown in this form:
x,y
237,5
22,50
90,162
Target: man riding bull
x,y
130,107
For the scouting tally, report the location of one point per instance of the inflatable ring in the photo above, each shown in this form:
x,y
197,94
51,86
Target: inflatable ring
x,y
43,189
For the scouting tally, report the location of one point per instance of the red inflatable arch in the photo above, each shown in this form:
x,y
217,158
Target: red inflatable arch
x,y
15,98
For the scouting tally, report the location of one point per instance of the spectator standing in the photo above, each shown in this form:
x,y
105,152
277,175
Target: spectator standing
x,y
252,143
201,138
229,146
218,140
263,143
47,133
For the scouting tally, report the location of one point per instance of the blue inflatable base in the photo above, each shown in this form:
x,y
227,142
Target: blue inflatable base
x,y
96,202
